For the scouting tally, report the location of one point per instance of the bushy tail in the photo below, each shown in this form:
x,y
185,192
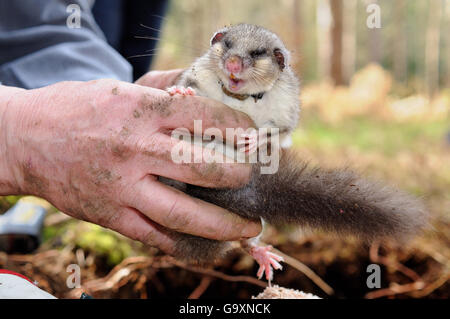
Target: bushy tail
x,y
338,201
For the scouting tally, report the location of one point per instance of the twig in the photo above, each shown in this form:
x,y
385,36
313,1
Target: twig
x,y
308,272
395,289
56,219
124,272
432,287
141,286
217,274
437,256
376,258
36,258
119,275
201,288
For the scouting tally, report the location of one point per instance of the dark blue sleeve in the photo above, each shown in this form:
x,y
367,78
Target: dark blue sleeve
x,y
37,48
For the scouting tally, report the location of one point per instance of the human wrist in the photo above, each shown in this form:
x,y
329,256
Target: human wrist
x,y
8,183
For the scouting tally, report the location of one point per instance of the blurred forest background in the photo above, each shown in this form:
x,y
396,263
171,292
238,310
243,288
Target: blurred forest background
x,y
374,99
329,40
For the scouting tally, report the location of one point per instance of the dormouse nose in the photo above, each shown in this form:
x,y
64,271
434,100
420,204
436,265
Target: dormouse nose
x,y
234,64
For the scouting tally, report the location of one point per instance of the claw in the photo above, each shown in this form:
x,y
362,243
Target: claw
x,y
267,261
260,272
179,90
251,136
249,142
276,265
243,143
253,141
253,148
276,257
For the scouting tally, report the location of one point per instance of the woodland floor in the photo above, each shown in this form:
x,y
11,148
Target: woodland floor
x,y
412,156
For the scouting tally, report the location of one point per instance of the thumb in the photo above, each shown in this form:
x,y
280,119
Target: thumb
x,y
160,79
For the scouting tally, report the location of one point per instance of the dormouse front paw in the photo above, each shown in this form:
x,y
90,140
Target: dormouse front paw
x,y
180,90
250,143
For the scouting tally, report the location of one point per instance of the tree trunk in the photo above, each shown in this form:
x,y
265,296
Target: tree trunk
x,y
296,34
447,36
432,47
400,42
324,21
336,35
375,43
349,45
197,22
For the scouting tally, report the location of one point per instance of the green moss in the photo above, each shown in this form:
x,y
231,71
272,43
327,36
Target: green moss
x,y
51,232
6,202
96,239
371,135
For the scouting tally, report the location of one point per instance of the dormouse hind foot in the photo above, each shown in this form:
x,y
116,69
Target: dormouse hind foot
x,y
266,261
180,90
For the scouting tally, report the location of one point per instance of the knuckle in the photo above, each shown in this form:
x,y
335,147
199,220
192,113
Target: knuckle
x,y
103,84
109,82
106,98
126,196
149,237
176,219
222,233
108,219
227,231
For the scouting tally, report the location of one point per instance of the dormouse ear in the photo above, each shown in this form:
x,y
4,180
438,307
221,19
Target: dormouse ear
x,y
279,56
217,37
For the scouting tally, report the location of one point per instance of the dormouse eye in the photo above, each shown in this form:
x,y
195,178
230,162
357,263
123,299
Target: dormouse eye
x,y
258,53
228,44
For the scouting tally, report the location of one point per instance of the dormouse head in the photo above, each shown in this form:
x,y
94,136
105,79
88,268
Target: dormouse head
x,y
248,59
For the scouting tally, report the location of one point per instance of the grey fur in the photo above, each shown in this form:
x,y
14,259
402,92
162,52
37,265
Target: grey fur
x,y
333,200
199,250
280,105
337,201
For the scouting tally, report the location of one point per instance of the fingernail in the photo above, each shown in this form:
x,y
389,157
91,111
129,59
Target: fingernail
x,y
251,230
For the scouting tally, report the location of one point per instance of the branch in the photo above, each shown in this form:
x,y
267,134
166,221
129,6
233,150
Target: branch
x,y
376,258
395,289
217,274
201,288
308,272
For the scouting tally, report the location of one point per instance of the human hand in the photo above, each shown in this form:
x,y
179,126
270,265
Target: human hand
x,y
160,79
95,151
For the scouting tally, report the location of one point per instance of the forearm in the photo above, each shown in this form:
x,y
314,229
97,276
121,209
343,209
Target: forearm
x,y
8,184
